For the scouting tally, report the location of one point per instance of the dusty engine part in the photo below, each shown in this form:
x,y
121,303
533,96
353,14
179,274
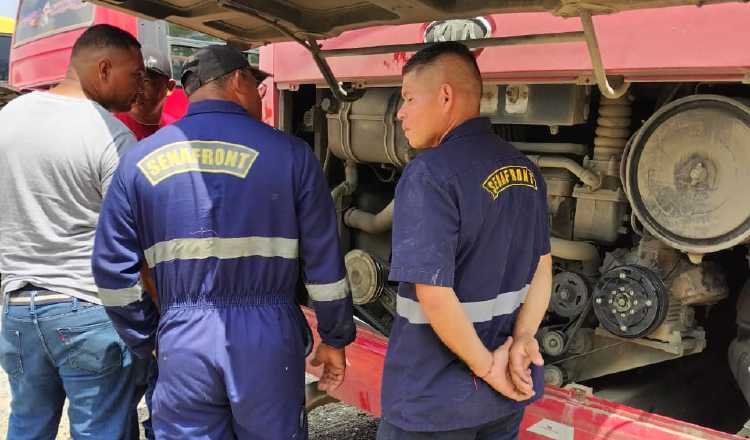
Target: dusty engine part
x,y
368,222
367,131
630,301
612,128
551,148
561,204
559,182
686,170
554,375
692,284
588,177
687,283
600,212
680,320
582,341
739,349
536,104
586,253
743,312
366,275
552,342
570,293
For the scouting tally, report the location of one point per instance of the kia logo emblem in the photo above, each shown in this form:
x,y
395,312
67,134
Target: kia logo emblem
x,y
457,30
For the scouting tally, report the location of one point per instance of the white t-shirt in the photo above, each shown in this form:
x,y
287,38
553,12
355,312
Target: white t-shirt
x,y
57,157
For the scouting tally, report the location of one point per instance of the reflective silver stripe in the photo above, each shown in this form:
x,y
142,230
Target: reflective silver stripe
x,y
478,311
328,292
201,248
120,297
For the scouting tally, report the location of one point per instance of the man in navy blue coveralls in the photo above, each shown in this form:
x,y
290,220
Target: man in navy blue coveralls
x,y
471,252
223,209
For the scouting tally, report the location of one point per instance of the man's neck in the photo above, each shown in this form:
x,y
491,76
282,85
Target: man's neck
x,y
152,117
69,87
456,121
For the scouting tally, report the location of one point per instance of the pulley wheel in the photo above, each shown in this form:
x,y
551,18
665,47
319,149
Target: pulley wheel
x,y
554,375
570,294
630,301
366,276
553,342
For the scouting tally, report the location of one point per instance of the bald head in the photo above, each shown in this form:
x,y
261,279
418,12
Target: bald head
x,y
442,88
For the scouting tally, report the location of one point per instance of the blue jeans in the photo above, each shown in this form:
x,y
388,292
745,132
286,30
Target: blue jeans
x,y
153,375
71,349
504,428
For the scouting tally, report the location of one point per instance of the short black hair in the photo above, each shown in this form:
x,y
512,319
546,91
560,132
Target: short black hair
x,y
103,36
433,52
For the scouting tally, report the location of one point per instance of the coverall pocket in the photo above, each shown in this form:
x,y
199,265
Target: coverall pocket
x,y
94,348
10,352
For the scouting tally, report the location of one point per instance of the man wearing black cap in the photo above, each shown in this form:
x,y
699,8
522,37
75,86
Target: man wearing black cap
x,y
146,115
226,212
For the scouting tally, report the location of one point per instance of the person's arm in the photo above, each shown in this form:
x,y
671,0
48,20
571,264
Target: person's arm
x,y
425,239
446,316
525,349
116,264
323,270
450,323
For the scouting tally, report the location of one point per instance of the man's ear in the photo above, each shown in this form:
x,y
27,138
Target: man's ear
x,y
446,96
238,82
104,69
170,86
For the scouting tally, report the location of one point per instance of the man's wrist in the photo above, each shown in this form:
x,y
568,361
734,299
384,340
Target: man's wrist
x,y
483,368
523,334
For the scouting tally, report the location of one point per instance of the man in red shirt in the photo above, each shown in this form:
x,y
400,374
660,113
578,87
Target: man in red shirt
x,y
146,115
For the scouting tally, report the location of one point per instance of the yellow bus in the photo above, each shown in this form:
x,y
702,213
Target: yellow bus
x,y
6,34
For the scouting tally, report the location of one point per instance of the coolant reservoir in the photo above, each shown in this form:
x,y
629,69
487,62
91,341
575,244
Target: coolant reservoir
x,y
688,173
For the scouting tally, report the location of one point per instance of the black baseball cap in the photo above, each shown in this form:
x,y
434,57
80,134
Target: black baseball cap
x,y
212,62
156,61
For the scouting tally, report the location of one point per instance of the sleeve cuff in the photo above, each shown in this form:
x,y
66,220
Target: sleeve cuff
x,y
434,277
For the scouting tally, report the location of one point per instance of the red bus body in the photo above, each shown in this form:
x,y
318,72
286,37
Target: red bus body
x,y
42,62
674,44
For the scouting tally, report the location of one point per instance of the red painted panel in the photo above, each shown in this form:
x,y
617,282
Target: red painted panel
x,y
42,63
680,43
560,414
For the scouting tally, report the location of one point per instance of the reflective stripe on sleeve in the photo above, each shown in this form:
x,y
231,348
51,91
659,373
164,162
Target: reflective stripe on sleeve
x,y
120,297
477,311
328,292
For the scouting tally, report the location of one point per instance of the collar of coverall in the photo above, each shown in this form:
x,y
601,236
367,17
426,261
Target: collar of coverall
x,y
472,126
214,106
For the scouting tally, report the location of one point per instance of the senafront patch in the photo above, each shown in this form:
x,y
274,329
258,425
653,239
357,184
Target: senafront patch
x,y
507,177
202,156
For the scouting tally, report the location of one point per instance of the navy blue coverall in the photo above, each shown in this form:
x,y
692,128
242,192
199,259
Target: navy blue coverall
x,y
224,210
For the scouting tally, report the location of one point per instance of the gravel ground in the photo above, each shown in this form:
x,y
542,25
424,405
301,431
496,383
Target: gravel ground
x,y
334,421
337,421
